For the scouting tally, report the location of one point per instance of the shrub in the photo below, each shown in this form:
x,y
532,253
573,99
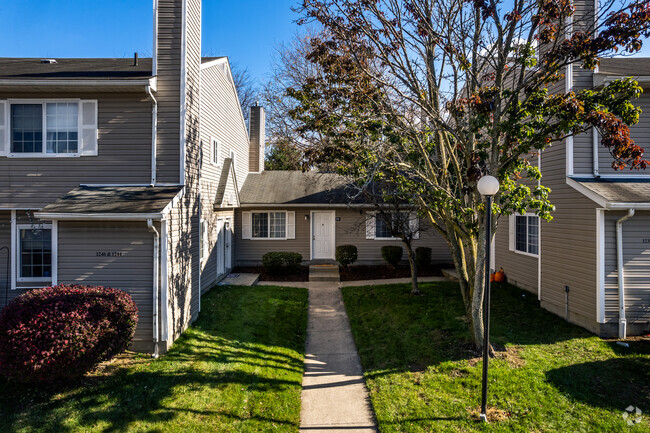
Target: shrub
x,y
59,333
392,254
423,257
346,255
275,262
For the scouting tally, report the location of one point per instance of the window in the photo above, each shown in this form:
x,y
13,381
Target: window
x,y
60,120
205,245
271,225
48,128
526,237
35,253
382,223
215,151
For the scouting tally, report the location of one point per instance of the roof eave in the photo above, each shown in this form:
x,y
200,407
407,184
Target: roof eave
x,y
67,216
67,84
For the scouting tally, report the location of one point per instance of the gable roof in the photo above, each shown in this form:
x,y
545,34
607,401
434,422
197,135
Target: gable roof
x,y
227,173
293,188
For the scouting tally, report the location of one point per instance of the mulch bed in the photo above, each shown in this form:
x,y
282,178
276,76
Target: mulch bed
x,y
380,272
354,273
303,275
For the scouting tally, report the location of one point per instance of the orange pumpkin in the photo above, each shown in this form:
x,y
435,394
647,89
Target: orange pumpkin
x,y
499,276
492,277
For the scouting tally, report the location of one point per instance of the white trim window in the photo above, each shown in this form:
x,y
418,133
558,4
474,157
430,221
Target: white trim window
x,y
205,243
378,228
46,128
214,150
526,234
273,225
35,252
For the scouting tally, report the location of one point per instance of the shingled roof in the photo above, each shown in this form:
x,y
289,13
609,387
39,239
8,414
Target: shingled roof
x,y
78,69
89,200
294,187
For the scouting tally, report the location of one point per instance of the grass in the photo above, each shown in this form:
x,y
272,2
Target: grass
x,y
237,369
548,376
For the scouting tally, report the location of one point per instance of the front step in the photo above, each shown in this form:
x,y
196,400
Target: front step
x,y
324,273
450,274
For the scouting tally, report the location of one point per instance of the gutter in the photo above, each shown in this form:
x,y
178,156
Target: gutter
x,y
622,321
76,83
98,216
594,145
154,131
156,262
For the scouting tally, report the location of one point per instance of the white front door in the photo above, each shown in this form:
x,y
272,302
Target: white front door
x,y
228,253
322,230
221,247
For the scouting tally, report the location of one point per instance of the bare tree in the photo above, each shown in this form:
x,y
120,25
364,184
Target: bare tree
x,y
247,90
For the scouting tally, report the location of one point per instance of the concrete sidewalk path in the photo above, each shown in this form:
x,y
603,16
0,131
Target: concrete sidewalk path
x,y
334,393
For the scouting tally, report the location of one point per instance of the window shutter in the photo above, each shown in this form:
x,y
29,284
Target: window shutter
x,y
511,232
291,225
370,225
4,145
88,128
246,225
414,223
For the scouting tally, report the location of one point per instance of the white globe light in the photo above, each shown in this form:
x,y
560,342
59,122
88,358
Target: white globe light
x,y
488,185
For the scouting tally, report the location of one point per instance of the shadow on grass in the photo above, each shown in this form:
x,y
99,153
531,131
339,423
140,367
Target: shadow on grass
x,y
600,383
397,332
209,373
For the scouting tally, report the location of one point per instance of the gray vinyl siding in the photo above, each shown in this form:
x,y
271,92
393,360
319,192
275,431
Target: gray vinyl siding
x,y
124,155
636,258
520,269
132,272
170,13
6,294
350,229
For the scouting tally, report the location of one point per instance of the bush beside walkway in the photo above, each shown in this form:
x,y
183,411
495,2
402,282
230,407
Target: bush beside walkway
x,y
549,376
237,369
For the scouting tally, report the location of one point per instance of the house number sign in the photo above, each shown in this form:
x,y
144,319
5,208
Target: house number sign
x,y
110,254
646,240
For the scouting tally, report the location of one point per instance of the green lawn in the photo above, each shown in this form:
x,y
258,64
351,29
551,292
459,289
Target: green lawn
x,y
237,369
549,376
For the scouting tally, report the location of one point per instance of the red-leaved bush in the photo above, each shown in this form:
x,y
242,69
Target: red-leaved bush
x,y
61,332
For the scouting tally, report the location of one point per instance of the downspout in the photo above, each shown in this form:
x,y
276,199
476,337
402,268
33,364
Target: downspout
x,y
156,250
594,146
154,131
622,322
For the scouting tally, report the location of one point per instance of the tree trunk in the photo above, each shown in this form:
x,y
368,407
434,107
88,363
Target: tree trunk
x,y
415,290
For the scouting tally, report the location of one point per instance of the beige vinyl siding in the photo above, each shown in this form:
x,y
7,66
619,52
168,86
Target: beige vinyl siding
x,y
79,243
568,246
184,220
209,275
124,155
521,269
221,119
351,229
636,258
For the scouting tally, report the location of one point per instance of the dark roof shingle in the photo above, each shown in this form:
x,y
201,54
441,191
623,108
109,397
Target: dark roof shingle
x,y
114,200
294,187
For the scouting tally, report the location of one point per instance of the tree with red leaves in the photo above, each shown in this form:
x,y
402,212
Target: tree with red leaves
x,y
432,95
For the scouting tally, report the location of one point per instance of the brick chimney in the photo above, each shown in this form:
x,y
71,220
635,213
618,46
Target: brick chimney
x,y
256,133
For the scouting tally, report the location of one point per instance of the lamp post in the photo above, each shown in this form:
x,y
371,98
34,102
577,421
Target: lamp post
x,y
487,186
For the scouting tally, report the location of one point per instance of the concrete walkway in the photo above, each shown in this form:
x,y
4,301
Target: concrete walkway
x,y
334,393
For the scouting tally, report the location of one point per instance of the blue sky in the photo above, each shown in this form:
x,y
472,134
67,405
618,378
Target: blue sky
x,y
245,31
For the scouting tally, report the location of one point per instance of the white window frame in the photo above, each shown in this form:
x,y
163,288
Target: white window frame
x,y
286,225
412,218
214,155
53,233
205,245
513,233
43,153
